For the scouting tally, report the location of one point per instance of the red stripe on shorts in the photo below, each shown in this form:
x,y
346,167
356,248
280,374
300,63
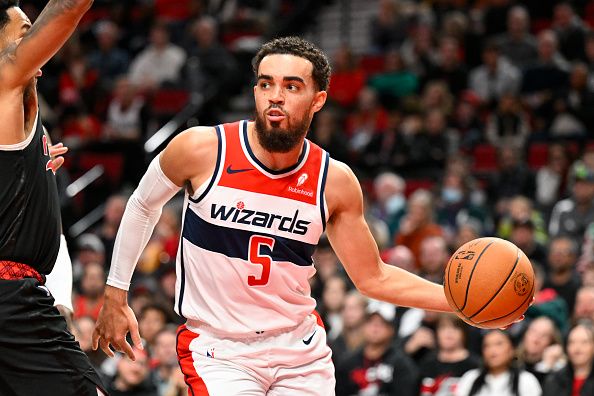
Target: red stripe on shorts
x,y
319,319
195,383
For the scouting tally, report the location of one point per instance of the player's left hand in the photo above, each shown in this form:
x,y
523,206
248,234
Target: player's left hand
x,y
56,151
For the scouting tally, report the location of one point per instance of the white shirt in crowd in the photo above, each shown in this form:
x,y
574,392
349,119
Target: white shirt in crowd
x,y
499,385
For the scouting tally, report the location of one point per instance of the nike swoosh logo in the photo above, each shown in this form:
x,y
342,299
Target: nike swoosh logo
x,y
308,341
232,171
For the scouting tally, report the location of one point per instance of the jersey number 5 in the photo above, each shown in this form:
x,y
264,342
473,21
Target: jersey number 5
x,y
257,241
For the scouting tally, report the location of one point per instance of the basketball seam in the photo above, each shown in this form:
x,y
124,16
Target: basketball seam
x,y
500,287
470,276
519,306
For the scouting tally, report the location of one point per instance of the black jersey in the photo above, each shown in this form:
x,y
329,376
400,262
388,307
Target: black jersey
x,y
30,220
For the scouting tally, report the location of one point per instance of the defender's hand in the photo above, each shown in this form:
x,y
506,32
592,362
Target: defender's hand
x,y
115,320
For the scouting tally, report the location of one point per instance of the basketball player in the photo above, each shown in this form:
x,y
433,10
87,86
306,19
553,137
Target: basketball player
x,y
37,354
258,197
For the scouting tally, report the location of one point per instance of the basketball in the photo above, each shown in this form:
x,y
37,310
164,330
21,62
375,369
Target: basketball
x,y
489,282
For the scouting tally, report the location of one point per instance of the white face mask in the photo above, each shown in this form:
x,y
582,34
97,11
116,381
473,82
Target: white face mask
x,y
395,203
451,195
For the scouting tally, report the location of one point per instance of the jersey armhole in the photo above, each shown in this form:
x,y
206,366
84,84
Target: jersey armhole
x,y
322,186
206,187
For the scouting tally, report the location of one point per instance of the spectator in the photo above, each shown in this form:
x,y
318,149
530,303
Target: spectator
x,y
442,369
570,31
541,351
388,27
522,236
434,258
347,78
89,301
164,359
418,223
390,202
551,179
335,290
577,378
108,59
496,77
570,217
517,44
126,113
573,117
448,66
112,216
395,82
499,376
562,277
547,302
152,320
352,336
159,63
133,376
584,305
513,178
380,366
327,134
508,125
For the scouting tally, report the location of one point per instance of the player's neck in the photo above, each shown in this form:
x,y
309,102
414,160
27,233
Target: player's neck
x,y
272,160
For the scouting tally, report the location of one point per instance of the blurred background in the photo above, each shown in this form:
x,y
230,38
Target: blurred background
x,y
461,119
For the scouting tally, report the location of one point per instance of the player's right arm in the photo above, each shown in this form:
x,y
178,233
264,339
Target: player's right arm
x,y
188,160
21,60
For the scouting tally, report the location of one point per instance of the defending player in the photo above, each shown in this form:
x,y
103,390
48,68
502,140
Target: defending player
x,y
258,197
37,354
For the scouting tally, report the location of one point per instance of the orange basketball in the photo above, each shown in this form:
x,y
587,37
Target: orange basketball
x,y
489,282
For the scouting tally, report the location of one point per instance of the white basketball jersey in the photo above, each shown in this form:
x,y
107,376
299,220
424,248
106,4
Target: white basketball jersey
x,y
248,235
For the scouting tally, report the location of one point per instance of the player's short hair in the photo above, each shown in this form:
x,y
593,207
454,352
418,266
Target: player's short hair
x,y
4,6
301,48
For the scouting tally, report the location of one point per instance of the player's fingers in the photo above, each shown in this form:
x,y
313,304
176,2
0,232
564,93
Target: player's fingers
x,y
135,334
96,337
104,344
123,346
57,162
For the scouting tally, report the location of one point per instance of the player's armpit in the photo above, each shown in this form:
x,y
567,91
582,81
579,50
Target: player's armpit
x,y
20,61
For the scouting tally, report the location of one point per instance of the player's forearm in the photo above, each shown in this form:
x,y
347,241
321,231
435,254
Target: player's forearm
x,y
142,214
403,288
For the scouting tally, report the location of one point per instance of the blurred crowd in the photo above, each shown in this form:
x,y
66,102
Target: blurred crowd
x,y
461,118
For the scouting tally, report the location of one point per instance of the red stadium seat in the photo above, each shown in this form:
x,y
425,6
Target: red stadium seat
x,y
169,101
485,158
112,163
372,64
413,185
538,154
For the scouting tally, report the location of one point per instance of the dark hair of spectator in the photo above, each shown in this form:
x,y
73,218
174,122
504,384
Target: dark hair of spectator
x,y
298,47
4,6
514,371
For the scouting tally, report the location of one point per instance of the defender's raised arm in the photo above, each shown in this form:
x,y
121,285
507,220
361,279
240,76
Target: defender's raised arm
x,y
21,60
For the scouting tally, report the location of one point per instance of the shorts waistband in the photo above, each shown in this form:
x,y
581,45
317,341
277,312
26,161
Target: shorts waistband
x,y
201,327
11,270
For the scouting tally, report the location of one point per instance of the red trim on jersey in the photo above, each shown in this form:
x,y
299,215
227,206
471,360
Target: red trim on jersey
x,y
319,319
249,178
196,385
10,270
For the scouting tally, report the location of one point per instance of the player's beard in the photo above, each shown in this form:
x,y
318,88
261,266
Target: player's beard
x,y
277,139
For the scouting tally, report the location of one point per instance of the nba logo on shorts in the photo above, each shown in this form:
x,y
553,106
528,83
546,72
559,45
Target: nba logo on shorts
x,y
210,353
302,179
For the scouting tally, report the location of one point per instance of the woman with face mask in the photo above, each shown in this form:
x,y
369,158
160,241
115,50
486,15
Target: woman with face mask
x,y
499,376
577,378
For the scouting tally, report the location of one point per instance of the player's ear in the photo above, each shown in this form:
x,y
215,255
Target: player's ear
x,y
319,100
